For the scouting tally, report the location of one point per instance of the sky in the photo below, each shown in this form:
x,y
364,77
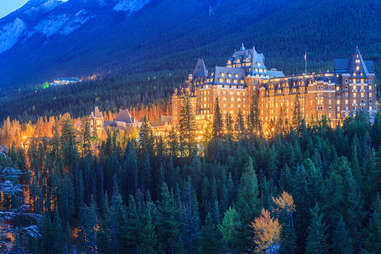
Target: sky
x,y
7,6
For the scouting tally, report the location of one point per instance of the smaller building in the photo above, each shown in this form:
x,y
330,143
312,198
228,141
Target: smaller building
x,y
65,81
122,121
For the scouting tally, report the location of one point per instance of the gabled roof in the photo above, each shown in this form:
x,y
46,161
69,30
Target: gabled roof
x,y
355,65
200,69
124,116
97,112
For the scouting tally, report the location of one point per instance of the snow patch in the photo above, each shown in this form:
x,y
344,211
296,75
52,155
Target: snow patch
x,y
44,7
51,25
10,34
130,5
80,18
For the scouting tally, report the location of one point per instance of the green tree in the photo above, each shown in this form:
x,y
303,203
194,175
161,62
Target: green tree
x,y
373,231
187,127
229,228
316,239
210,239
341,240
217,121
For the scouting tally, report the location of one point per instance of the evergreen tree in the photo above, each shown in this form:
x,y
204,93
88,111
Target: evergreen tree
x,y
187,127
229,229
146,138
373,231
170,238
217,122
248,203
341,240
316,239
210,239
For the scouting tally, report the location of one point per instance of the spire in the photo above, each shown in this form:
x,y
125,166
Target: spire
x,y
242,46
200,69
358,63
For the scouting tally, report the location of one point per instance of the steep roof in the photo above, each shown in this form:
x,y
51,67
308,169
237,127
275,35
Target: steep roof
x,y
200,69
124,116
97,112
355,65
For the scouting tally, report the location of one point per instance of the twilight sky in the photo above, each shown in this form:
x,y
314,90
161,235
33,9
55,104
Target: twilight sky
x,y
7,6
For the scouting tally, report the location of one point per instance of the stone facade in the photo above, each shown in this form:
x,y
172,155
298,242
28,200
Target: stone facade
x,y
332,95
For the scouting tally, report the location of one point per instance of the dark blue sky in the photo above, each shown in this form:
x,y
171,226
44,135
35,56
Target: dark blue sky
x,y
7,6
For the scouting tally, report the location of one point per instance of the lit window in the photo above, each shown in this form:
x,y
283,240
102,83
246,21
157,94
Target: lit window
x,y
370,94
362,94
357,68
221,80
338,102
222,74
370,87
337,88
355,101
346,101
354,94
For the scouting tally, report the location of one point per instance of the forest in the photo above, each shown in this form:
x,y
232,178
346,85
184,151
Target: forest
x,y
308,189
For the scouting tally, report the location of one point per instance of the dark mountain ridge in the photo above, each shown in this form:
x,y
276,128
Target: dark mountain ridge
x,y
169,35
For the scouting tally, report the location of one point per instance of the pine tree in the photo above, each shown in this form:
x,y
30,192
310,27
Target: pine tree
x,y
170,237
146,138
148,237
240,125
253,117
316,239
248,203
217,122
229,228
373,231
187,127
210,239
341,240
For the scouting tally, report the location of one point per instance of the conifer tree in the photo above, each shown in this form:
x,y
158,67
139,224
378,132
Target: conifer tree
x,y
248,203
229,228
217,121
187,127
170,237
148,236
373,235
240,125
146,138
210,239
341,240
316,242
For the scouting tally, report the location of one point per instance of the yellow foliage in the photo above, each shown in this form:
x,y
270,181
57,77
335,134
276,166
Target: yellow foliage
x,y
283,201
266,231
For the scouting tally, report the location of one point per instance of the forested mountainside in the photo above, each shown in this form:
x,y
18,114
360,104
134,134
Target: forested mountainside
x,y
310,190
79,38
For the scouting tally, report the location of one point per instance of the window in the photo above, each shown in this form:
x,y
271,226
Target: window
x,y
362,95
370,94
354,94
370,88
346,101
338,102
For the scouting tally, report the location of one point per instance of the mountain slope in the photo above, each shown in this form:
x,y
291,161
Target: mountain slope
x,y
54,38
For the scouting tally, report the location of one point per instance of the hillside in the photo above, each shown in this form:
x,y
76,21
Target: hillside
x,y
79,38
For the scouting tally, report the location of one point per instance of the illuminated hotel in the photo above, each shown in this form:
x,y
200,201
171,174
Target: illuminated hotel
x,y
333,95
